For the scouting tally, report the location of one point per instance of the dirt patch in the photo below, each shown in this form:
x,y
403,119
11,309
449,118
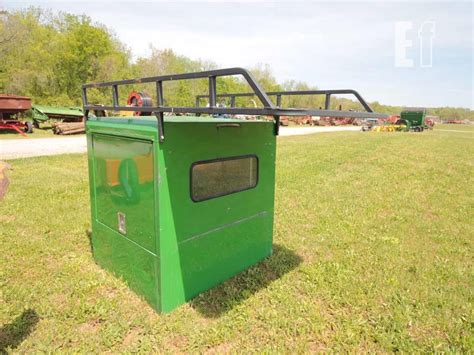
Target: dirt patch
x,y
7,218
223,348
132,336
93,326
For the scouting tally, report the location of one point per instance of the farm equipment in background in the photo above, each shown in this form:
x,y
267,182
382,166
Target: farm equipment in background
x,y
298,120
335,120
392,119
413,119
72,118
410,119
370,123
430,121
390,128
69,119
10,108
320,121
139,99
42,114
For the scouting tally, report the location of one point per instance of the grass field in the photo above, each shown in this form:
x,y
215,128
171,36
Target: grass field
x,y
373,252
455,127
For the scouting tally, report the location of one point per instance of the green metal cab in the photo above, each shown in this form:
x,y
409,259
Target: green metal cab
x,y
174,218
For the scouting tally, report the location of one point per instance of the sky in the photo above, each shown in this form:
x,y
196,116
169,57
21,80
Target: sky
x,y
404,53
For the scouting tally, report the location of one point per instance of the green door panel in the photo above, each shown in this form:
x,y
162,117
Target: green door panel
x,y
124,181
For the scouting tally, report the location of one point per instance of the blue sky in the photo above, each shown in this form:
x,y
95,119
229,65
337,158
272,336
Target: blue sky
x,y
334,44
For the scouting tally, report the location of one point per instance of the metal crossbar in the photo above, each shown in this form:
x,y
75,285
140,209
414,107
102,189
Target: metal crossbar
x,y
280,94
268,109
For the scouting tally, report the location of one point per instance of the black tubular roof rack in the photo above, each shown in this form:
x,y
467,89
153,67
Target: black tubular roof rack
x,y
280,94
268,109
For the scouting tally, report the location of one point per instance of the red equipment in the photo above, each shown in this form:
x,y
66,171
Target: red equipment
x,y
140,99
430,122
10,106
393,119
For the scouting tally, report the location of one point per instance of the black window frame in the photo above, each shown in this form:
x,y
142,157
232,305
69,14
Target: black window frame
x,y
208,161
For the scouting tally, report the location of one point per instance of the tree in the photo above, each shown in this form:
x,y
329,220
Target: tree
x,y
51,56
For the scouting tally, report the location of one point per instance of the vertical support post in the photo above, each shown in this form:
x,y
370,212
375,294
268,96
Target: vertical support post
x,y
278,100
327,104
232,101
277,125
115,98
212,91
161,126
160,115
159,93
85,103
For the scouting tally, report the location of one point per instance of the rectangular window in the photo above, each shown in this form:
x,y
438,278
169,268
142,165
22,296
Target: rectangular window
x,y
219,177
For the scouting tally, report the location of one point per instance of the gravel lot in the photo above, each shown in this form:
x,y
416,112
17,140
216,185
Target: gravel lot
x,y
24,147
34,147
296,131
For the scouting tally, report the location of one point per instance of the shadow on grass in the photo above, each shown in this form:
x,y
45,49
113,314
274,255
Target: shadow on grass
x,y
11,335
222,298
89,238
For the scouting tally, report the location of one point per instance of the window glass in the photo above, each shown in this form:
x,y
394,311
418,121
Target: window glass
x,y
221,177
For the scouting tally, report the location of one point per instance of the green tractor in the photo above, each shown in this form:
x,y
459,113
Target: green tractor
x,y
413,119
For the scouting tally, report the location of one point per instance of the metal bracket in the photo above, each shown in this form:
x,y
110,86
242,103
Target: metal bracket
x,y
277,125
161,126
122,225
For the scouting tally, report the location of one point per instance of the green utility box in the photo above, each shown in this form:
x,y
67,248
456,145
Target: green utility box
x,y
176,217
182,203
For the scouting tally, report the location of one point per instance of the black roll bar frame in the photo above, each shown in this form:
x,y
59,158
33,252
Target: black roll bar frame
x,y
280,94
269,108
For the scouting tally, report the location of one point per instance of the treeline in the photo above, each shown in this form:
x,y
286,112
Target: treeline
x,y
48,57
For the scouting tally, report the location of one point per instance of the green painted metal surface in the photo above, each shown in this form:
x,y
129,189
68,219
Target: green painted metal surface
x,y
414,118
42,113
146,227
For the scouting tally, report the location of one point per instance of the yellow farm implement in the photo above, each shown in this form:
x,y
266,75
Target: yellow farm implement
x,y
390,128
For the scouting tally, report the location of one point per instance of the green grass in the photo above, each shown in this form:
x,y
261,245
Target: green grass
x,y
374,252
455,127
